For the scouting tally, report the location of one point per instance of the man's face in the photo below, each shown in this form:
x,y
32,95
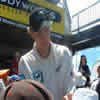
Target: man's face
x,y
83,61
44,36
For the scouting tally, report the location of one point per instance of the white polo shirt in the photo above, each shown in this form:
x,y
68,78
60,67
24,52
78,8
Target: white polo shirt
x,y
55,71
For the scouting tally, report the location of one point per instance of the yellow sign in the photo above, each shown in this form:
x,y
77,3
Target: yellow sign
x,y
14,14
22,16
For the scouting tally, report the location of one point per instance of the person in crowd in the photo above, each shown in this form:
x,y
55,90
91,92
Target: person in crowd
x,y
47,62
25,90
84,69
95,84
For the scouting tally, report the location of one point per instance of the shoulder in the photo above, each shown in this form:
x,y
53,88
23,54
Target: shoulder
x,y
29,53
63,50
27,56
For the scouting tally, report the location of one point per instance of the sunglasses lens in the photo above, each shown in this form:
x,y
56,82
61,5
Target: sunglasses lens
x,y
46,24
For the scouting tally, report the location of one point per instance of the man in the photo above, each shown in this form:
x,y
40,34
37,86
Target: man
x,y
47,62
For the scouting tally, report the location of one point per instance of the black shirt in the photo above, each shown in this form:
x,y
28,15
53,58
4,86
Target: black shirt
x,y
84,69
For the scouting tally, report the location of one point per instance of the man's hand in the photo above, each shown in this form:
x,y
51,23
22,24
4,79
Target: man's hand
x,y
68,96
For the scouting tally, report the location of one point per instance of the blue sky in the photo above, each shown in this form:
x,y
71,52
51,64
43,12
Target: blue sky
x,y
92,55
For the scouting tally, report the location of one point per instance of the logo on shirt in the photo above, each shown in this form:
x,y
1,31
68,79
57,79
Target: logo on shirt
x,y
38,76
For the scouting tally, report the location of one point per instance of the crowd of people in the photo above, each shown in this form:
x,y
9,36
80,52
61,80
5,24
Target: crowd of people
x,y
51,65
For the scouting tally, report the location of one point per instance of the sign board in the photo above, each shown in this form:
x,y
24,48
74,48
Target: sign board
x,y
17,12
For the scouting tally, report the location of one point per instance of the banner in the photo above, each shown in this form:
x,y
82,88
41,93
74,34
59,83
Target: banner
x,y
18,12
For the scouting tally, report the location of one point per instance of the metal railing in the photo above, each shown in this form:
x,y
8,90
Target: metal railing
x,y
87,18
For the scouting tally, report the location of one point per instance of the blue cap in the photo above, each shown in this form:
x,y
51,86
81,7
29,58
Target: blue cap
x,y
14,77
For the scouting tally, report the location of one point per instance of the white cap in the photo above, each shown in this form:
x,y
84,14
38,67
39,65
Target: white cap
x,y
85,94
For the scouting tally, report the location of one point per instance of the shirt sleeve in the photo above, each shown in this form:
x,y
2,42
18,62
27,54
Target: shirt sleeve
x,y
68,72
23,69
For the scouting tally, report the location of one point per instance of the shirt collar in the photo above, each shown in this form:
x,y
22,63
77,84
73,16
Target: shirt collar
x,y
36,52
